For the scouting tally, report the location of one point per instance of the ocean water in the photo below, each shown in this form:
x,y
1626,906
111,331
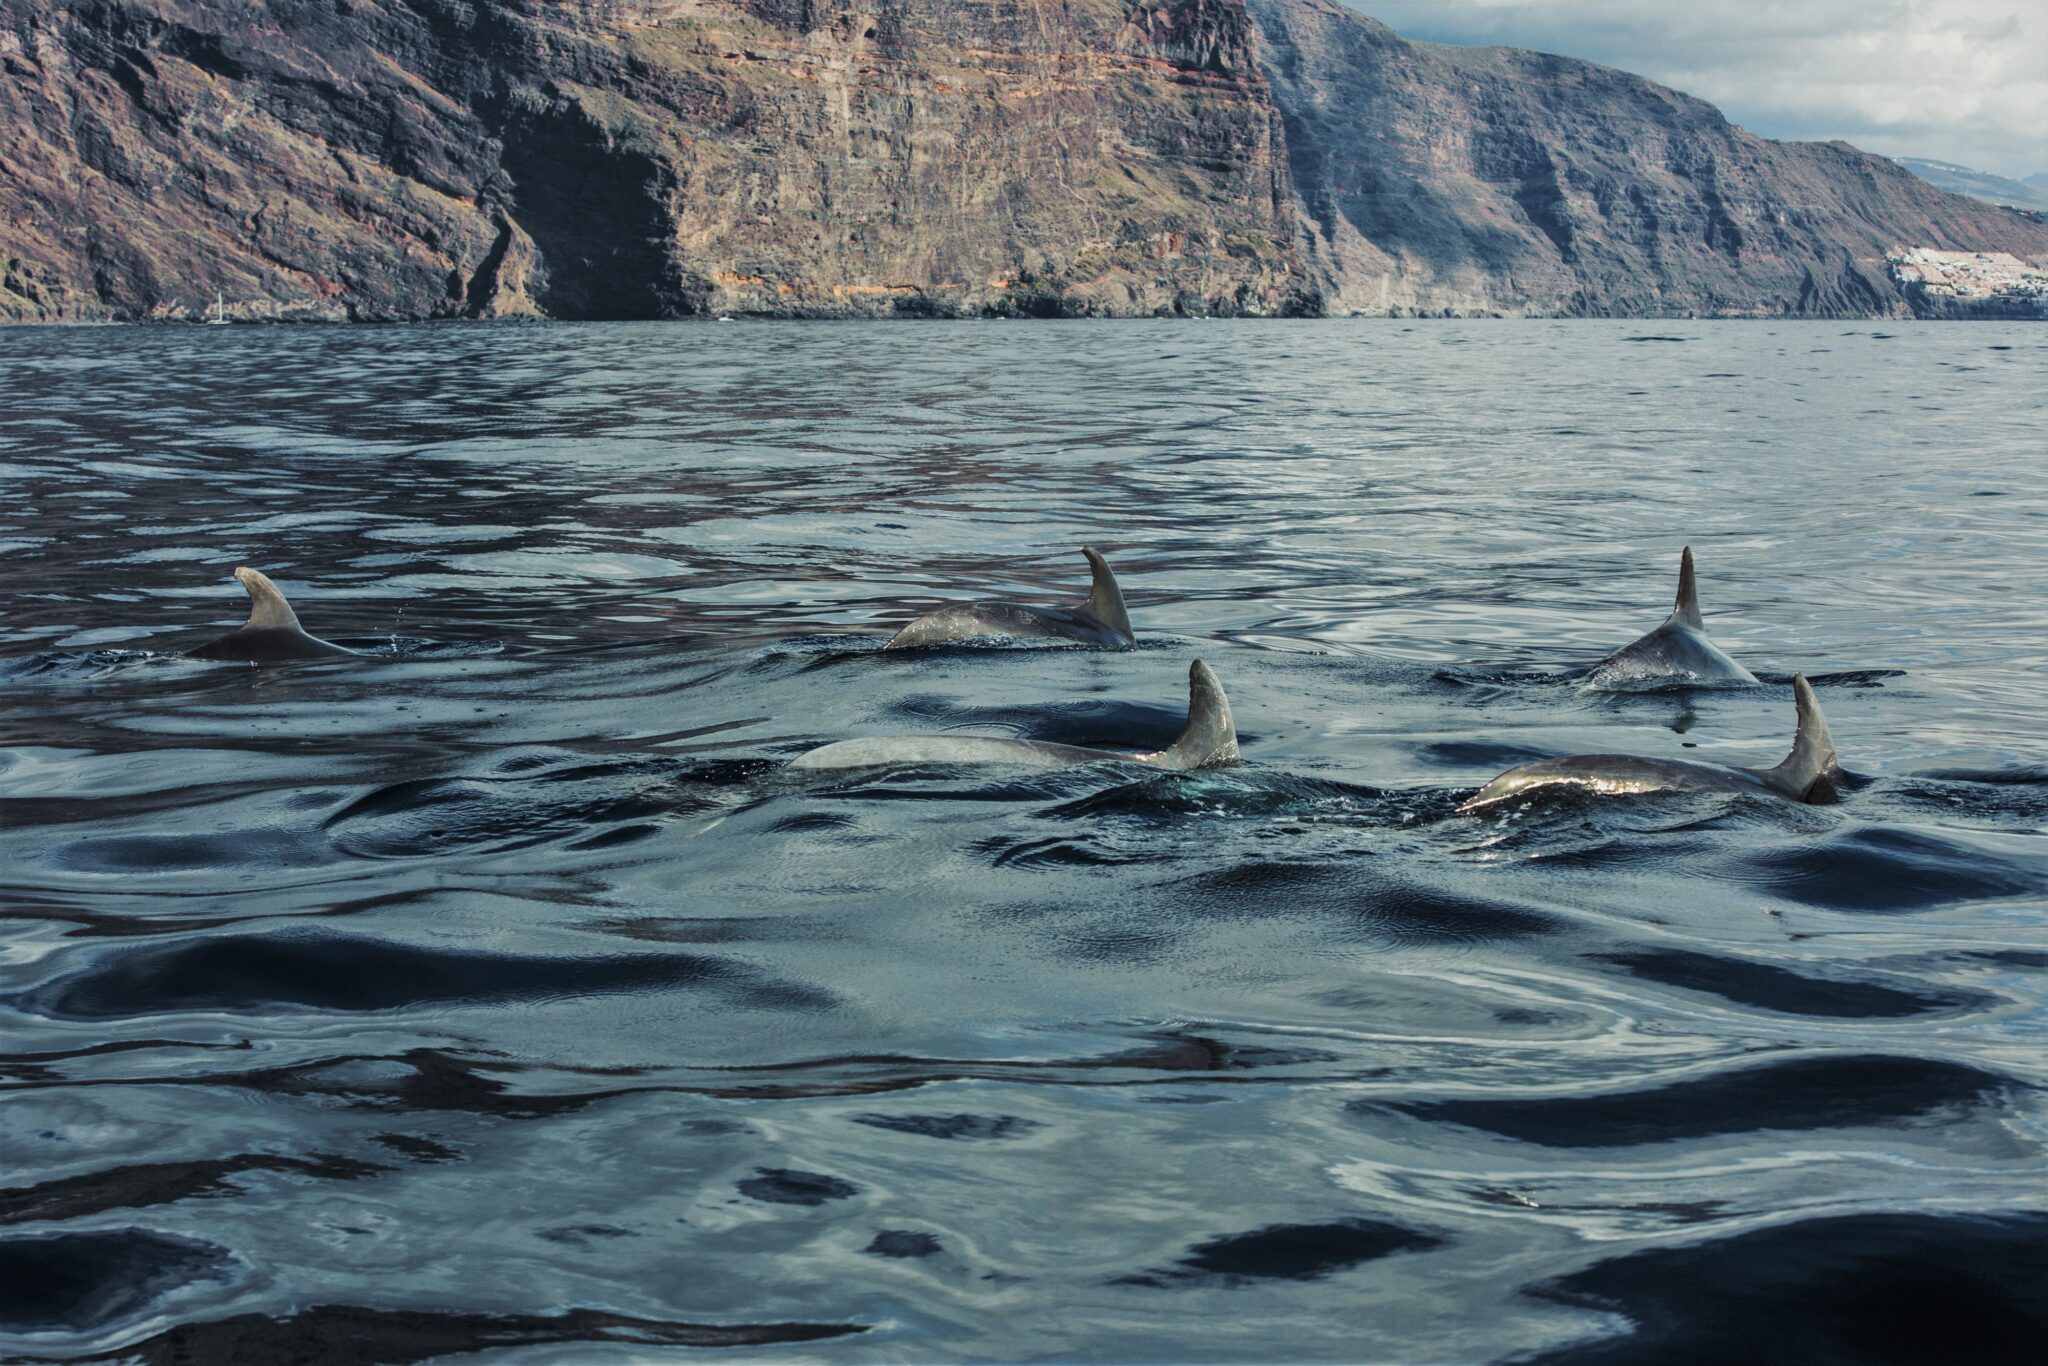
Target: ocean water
x,y
501,993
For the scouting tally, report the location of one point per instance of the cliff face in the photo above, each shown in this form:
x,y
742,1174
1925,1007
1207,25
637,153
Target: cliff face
x,y
1491,180
638,158
655,158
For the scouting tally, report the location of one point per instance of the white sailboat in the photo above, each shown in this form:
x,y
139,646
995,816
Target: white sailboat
x,y
220,311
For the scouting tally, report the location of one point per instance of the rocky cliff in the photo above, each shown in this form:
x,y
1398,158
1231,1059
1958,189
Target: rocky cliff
x,y
638,158
378,159
1491,180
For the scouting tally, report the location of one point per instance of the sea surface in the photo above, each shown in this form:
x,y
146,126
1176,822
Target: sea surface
x,y
501,993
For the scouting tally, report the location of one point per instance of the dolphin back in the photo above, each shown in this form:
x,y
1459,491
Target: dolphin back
x,y
1100,620
1677,650
946,750
1685,610
1613,775
268,609
1105,597
1805,776
1209,740
1812,759
272,631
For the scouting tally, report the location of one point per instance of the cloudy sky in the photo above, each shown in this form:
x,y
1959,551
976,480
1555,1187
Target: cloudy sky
x,y
1958,80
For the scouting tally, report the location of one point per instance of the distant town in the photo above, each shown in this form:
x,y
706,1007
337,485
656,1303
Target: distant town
x,y
1970,278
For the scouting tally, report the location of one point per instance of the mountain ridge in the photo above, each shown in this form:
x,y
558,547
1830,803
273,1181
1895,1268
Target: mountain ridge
x,y
394,159
1966,180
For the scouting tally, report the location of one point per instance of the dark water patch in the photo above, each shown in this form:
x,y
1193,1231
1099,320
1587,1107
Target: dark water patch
x,y
1471,675
1361,898
1421,915
417,1147
804,822
426,1080
1478,686
1079,851
790,1186
348,1335
1750,983
992,784
2015,798
1831,1092
1887,869
1200,1053
614,839
1171,1053
709,929
162,1183
114,925
39,1067
329,972
431,1080
584,1235
1290,1252
808,651
227,850
1857,1290
1656,338
950,1126
832,652
1478,754
92,924
426,816
1121,943
2021,775
897,1242
86,1280
58,812
2011,958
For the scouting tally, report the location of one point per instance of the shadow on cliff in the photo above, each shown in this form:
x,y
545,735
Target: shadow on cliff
x,y
596,207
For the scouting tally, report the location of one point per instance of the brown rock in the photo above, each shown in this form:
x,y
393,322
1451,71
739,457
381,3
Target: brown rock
x,y
655,158
395,159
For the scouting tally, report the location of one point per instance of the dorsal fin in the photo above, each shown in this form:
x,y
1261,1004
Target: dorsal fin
x,y
1687,608
1105,599
267,608
1209,740
1813,749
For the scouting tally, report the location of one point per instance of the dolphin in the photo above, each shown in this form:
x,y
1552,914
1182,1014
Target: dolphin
x,y
272,632
1808,774
1101,620
1209,740
1679,649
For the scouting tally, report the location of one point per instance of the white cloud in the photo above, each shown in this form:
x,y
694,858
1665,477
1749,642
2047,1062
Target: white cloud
x,y
1961,80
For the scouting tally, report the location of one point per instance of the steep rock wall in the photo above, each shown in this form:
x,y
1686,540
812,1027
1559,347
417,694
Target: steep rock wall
x,y
638,158
387,159
1491,180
